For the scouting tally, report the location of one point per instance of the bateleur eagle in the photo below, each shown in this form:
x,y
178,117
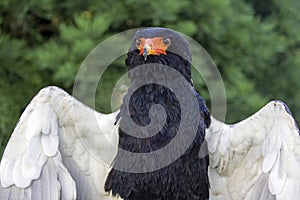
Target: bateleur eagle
x,y
140,152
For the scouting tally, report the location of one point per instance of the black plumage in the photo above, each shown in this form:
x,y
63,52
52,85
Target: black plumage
x,y
184,179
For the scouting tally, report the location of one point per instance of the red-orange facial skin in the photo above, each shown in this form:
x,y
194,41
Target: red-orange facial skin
x,y
155,46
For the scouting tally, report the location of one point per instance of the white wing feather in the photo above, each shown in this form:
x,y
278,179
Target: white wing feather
x,y
258,158
60,149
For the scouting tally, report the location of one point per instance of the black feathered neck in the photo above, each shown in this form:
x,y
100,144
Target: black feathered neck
x,y
134,59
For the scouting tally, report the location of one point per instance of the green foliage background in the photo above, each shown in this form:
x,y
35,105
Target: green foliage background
x,y
255,44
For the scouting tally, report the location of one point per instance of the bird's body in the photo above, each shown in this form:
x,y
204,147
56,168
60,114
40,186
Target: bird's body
x,y
186,177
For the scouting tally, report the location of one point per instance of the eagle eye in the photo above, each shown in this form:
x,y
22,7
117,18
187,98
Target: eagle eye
x,y
137,42
167,41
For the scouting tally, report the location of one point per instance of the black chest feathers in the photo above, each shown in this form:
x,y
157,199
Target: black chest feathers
x,y
184,178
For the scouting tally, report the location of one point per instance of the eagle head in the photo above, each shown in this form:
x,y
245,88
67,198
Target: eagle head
x,y
161,46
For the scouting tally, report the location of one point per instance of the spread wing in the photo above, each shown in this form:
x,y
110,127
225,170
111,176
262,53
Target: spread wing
x,y
258,158
60,149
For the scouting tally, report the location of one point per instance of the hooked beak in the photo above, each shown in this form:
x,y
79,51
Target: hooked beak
x,y
152,46
147,50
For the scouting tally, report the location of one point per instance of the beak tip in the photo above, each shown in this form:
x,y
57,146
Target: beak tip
x,y
145,54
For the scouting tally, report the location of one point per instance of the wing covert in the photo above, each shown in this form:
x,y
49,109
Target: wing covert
x,y
60,149
256,158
